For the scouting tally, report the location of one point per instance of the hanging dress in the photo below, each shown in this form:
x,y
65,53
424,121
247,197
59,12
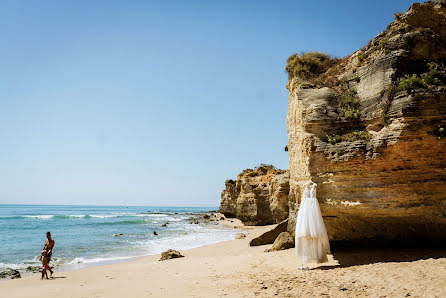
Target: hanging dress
x,y
311,236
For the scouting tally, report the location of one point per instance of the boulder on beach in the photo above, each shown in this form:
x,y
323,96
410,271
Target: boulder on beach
x,y
9,272
270,236
283,241
240,236
170,254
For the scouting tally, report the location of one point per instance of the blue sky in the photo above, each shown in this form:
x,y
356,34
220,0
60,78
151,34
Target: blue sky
x,y
155,102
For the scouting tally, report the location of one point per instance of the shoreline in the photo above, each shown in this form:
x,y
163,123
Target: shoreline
x,y
227,223
186,229
234,269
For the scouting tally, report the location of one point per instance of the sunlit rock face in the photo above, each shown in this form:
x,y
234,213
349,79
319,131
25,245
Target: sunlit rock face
x,y
390,182
258,196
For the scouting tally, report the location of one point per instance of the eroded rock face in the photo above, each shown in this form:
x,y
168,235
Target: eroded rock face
x,y
258,196
391,185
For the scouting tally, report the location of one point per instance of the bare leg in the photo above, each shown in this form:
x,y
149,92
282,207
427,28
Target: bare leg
x,y
43,273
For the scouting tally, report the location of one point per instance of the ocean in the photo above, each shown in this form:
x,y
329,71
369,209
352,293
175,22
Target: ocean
x,y
89,235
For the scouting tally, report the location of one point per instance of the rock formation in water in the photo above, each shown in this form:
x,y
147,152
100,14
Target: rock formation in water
x,y
370,130
258,196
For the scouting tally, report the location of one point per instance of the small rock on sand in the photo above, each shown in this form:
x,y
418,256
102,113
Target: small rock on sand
x,y
9,272
240,236
33,269
170,254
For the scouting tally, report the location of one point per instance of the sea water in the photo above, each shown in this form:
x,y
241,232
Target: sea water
x,y
90,234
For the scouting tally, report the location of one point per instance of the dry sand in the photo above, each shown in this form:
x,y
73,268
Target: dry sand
x,y
234,269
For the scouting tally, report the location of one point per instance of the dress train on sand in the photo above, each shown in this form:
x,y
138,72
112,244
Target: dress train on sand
x,y
311,236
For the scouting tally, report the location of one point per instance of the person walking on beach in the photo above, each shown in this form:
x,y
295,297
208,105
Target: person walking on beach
x,y
45,267
48,247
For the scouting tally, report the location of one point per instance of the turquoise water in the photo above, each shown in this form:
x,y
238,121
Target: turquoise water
x,y
86,234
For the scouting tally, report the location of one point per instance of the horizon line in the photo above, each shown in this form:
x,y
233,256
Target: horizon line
x,y
3,204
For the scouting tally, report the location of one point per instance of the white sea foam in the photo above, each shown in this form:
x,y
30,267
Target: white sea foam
x,y
97,260
150,215
193,236
112,215
39,216
103,216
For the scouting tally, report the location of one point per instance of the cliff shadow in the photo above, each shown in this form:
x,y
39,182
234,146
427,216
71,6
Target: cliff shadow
x,y
349,255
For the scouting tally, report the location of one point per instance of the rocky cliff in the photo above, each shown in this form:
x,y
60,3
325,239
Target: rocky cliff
x,y
258,196
369,129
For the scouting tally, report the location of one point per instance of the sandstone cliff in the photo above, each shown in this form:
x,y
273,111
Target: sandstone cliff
x,y
369,129
258,196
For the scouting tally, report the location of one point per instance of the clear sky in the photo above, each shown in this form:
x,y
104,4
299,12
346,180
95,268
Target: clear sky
x,y
155,102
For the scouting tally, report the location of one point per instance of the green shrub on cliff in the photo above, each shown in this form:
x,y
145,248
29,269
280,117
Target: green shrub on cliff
x,y
350,105
356,135
349,137
436,75
397,15
333,138
307,65
361,56
409,82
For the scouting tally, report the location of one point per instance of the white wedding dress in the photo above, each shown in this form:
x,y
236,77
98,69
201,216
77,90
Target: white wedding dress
x,y
311,236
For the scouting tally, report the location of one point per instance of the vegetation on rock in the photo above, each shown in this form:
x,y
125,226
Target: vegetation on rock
x,y
397,15
361,56
308,65
348,137
440,132
436,75
333,138
350,105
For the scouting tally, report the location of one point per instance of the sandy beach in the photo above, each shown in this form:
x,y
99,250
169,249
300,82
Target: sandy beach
x,y
233,269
